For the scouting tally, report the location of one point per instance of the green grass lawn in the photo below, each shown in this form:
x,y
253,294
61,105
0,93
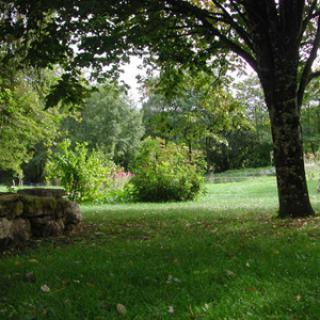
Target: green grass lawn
x,y
224,256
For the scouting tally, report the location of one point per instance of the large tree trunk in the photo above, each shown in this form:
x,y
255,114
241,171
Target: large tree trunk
x,y
288,156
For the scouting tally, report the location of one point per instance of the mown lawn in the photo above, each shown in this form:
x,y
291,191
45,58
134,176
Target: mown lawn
x,y
224,256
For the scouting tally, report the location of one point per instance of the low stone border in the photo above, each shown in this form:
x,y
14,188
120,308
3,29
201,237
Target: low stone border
x,y
35,213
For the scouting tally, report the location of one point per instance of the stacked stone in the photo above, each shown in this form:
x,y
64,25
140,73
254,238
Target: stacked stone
x,y
35,213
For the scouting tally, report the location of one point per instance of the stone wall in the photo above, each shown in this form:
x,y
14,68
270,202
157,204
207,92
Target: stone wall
x,y
35,213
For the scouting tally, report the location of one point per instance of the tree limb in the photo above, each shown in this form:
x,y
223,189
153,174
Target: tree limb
x,y
206,19
235,25
235,6
313,75
305,78
236,48
310,15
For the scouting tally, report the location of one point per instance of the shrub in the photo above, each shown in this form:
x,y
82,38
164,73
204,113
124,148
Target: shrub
x,y
120,178
125,194
121,190
163,173
84,175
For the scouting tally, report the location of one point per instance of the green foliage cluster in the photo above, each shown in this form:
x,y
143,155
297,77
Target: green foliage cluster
x,y
85,176
240,149
310,119
24,122
197,111
108,121
124,194
163,173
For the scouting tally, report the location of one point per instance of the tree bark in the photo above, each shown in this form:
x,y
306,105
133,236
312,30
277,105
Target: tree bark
x,y
288,157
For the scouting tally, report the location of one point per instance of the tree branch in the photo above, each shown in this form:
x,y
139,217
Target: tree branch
x,y
305,78
206,19
313,75
236,49
309,16
234,5
235,25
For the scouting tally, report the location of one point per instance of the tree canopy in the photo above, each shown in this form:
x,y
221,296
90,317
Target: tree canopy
x,y
186,32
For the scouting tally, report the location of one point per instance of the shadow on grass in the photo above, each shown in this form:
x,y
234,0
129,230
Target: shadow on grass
x,y
175,264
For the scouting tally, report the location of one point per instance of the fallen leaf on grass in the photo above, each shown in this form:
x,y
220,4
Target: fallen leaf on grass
x,y
170,309
45,288
33,260
230,273
172,279
121,309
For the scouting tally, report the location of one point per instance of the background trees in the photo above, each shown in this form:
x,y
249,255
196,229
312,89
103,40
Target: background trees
x,y
310,117
24,122
108,120
196,111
